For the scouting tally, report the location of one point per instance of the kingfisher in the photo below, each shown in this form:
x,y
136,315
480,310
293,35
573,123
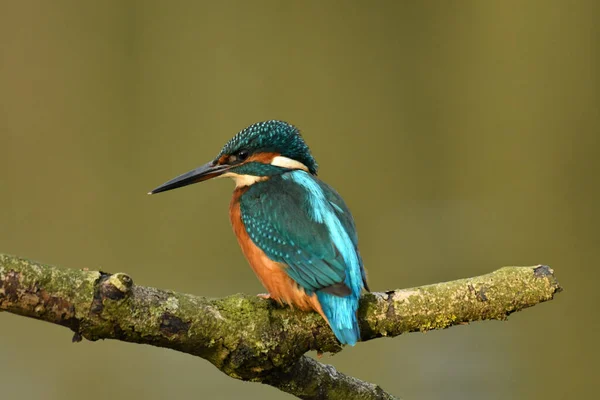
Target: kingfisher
x,y
295,230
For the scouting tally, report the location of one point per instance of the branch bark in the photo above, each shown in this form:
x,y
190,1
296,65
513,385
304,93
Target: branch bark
x,y
250,338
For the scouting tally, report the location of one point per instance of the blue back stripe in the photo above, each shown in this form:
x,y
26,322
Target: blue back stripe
x,y
322,212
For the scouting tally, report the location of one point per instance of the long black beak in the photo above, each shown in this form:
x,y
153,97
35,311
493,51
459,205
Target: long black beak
x,y
203,173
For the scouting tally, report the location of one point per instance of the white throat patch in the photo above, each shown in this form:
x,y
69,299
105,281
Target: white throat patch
x,y
244,180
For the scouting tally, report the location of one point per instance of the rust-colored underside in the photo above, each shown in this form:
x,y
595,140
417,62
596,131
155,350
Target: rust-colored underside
x,y
271,274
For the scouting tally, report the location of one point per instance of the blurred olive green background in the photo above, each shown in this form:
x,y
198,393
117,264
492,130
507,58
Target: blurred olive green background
x,y
463,135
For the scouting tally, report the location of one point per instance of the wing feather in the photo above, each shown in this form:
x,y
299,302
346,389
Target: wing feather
x,y
290,228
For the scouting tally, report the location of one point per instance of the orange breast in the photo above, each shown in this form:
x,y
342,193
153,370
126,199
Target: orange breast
x,y
270,273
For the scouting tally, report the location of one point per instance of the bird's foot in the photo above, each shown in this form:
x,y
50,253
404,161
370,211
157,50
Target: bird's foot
x,y
273,301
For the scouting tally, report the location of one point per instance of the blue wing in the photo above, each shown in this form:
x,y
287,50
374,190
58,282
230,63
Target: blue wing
x,y
345,217
302,222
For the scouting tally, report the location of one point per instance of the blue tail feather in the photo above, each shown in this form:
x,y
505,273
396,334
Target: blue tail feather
x,y
341,313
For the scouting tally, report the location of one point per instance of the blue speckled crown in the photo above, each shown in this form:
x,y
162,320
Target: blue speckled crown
x,y
272,136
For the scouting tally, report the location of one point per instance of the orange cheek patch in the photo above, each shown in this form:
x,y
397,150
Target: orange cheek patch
x,y
223,159
265,158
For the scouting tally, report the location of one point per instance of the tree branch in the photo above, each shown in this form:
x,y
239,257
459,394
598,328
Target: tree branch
x,y
253,339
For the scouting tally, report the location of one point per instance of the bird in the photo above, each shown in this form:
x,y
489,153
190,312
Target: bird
x,y
295,230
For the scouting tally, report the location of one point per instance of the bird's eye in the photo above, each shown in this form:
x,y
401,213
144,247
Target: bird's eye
x,y
242,155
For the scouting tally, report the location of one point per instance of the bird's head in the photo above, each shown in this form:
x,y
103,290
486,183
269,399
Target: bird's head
x,y
256,153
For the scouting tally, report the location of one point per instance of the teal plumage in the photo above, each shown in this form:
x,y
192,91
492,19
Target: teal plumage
x,y
300,221
295,230
273,135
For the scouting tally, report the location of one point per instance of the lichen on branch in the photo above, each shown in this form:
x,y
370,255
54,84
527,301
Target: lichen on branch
x,y
251,338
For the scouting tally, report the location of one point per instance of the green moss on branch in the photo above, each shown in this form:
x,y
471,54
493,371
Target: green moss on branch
x,y
251,338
